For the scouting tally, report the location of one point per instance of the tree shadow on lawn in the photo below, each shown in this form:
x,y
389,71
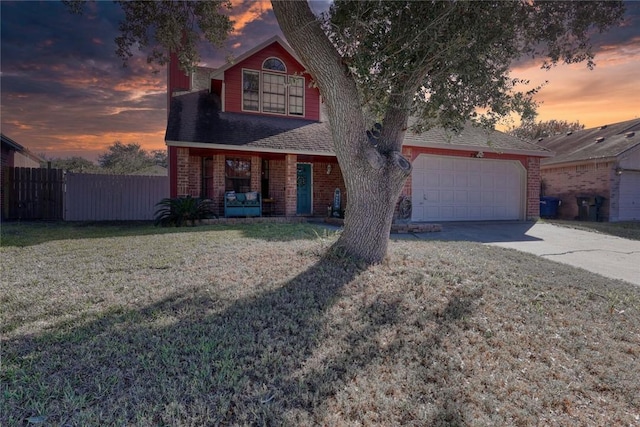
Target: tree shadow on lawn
x,y
280,357
481,232
37,232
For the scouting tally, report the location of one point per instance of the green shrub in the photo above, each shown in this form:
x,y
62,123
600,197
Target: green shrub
x,y
181,211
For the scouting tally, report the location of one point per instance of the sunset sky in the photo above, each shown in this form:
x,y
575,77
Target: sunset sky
x,y
65,93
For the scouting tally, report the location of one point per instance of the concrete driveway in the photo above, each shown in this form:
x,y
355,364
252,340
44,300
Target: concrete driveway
x,y
609,256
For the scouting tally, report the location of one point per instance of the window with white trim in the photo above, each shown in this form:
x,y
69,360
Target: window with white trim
x,y
274,64
296,96
273,91
250,90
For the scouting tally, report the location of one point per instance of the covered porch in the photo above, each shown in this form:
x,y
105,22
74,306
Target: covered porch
x,y
289,184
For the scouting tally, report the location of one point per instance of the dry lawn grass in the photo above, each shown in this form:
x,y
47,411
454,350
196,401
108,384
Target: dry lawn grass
x,y
264,326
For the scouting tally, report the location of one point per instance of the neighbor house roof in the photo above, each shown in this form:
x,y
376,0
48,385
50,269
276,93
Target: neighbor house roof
x,y
13,145
603,142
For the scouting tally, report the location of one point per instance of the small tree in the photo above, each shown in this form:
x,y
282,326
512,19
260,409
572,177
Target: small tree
x,y
128,158
73,164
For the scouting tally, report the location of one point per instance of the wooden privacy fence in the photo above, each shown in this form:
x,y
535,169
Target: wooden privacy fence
x,y
93,197
52,194
30,193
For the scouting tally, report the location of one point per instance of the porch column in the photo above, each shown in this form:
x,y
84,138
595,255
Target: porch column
x,y
182,169
256,173
218,183
290,185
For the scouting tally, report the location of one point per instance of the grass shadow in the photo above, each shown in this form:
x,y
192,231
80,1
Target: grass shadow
x,y
270,358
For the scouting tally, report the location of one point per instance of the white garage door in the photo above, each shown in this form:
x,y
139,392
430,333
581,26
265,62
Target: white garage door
x,y
629,197
466,189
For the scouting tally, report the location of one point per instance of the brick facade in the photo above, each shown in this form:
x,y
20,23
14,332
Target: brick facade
x,y
182,171
533,188
195,176
583,179
324,185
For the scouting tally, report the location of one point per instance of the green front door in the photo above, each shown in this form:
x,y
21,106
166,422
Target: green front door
x,y
304,189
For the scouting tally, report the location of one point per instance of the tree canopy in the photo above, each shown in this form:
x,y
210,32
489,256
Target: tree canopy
x,y
119,158
451,58
130,158
533,130
73,164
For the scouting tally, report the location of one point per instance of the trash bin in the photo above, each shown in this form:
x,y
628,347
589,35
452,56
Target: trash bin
x,y
549,206
589,207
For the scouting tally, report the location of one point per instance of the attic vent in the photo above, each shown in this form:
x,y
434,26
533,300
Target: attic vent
x,y
629,134
603,127
569,133
599,139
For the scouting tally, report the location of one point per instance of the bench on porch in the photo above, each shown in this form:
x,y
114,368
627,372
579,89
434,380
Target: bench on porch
x,y
242,204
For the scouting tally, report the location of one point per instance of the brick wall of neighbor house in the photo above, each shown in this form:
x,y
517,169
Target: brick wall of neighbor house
x,y
585,179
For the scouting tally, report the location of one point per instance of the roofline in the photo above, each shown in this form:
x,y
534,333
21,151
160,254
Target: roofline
x,y
246,148
219,73
612,157
11,142
448,146
21,149
565,163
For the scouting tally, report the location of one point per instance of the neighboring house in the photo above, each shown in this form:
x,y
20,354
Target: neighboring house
x,y
15,155
602,162
257,125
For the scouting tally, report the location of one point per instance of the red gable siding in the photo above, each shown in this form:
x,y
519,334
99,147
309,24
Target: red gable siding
x,y
177,80
233,81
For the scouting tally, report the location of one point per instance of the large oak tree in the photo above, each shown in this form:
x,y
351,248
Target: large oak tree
x,y
386,61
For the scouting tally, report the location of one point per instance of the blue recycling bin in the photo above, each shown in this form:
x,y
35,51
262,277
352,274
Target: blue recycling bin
x,y
549,206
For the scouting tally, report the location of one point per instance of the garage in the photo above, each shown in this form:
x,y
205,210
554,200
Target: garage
x,y
629,197
448,188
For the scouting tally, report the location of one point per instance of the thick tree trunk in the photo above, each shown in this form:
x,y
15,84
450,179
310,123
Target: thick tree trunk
x,y
374,174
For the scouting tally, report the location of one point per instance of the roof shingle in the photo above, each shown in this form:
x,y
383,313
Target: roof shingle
x,y
196,118
587,144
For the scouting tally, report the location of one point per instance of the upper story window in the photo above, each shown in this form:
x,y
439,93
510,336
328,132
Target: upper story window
x,y
274,64
272,92
250,90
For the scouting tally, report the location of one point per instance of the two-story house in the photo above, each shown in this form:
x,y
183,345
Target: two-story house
x,y
256,125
